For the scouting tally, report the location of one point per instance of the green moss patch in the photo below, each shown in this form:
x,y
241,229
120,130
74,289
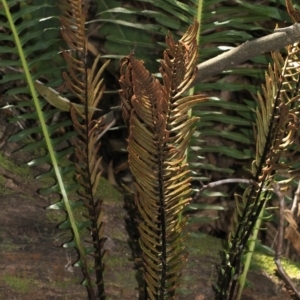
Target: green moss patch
x,y
18,284
56,216
66,284
202,244
9,165
267,263
107,191
3,190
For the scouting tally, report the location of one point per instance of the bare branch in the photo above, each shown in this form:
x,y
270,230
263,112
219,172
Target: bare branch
x,y
225,181
272,42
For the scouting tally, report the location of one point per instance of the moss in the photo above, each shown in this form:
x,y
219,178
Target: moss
x,y
119,235
46,181
66,284
119,278
18,284
203,244
107,191
38,152
8,245
116,261
56,216
208,247
3,190
9,165
7,242
266,263
184,291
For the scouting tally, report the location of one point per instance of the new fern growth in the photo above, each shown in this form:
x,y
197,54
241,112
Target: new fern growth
x,y
159,132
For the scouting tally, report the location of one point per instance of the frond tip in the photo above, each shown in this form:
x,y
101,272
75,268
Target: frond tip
x,y
159,131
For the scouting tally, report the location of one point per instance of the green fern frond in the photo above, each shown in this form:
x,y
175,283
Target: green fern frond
x,y
222,26
47,143
39,47
158,17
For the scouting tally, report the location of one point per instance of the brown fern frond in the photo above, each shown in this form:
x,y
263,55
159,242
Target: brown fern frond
x,y
292,11
86,84
277,113
178,68
159,130
277,136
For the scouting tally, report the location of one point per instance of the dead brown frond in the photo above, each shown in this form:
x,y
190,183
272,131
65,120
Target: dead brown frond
x,y
159,130
276,134
292,11
86,84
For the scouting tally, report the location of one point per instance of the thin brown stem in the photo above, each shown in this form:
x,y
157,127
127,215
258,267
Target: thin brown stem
x,y
277,259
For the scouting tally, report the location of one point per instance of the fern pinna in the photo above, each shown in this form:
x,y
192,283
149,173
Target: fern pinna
x,y
276,134
159,132
87,86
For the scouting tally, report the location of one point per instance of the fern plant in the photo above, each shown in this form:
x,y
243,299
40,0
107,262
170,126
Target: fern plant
x,y
159,131
276,133
87,86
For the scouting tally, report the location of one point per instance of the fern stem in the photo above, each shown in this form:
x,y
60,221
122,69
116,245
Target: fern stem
x,y
249,254
199,19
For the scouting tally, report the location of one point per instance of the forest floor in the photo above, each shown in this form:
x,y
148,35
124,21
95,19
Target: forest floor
x,y
34,266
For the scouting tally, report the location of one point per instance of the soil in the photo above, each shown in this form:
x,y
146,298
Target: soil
x,y
34,266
